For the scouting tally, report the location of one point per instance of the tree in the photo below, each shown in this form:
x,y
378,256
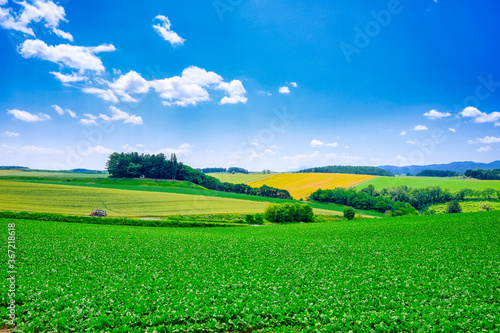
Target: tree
x,y
453,207
484,207
349,213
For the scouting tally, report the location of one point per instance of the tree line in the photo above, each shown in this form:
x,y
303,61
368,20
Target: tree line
x,y
358,170
439,173
224,170
135,165
401,200
483,174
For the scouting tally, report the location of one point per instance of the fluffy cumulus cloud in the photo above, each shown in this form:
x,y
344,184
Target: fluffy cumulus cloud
x,y
117,114
403,132
89,120
235,90
294,84
420,128
486,139
97,150
105,94
191,88
163,28
452,129
284,90
36,11
183,149
28,117
81,58
130,83
481,117
69,78
318,143
434,114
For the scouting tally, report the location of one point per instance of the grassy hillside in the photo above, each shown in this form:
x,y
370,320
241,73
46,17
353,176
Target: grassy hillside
x,y
238,178
131,200
55,174
301,185
421,273
453,184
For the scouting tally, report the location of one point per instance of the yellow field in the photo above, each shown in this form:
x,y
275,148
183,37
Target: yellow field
x,y
301,185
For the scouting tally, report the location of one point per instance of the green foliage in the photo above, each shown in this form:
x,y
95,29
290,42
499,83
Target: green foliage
x,y
427,273
484,207
289,212
483,174
439,173
453,207
353,170
349,213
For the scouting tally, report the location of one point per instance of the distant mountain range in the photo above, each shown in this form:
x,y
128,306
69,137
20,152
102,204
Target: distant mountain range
x,y
455,166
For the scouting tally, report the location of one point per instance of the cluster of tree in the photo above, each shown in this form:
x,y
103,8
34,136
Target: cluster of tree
x,y
358,170
289,212
401,200
223,170
483,174
366,199
135,165
439,173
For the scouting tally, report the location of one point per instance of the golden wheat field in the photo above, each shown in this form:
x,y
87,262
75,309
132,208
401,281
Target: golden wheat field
x,y
301,185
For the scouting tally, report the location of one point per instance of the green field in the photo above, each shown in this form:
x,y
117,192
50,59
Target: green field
x,y
452,184
238,178
55,174
424,273
128,200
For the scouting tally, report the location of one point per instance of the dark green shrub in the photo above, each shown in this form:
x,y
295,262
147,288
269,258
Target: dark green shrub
x,y
349,213
259,219
250,219
453,207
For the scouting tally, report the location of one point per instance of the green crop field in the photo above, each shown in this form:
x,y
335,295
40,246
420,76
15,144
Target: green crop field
x,y
467,206
51,174
423,273
134,200
238,178
452,184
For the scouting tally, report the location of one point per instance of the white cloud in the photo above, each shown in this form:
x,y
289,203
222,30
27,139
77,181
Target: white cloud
x,y
3,2
117,114
235,90
486,139
77,57
484,149
411,142
420,128
481,117
7,133
106,95
318,143
190,87
40,150
65,78
90,120
294,84
97,150
403,133
58,109
163,29
183,149
452,130
284,90
37,11
434,114
28,117
130,83
71,113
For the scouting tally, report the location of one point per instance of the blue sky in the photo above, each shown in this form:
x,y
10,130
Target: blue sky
x,y
257,84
